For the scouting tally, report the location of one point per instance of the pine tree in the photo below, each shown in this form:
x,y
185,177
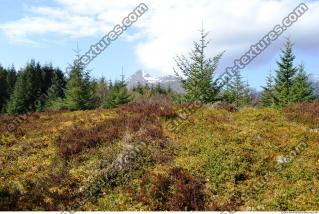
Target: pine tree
x,y
237,92
268,95
197,73
247,95
88,92
139,88
101,90
27,90
11,79
73,92
47,85
17,100
110,84
3,88
285,76
159,89
302,90
79,91
117,96
56,92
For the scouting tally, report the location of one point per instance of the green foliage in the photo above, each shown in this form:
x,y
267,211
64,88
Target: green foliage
x,y
11,79
73,92
7,82
237,154
268,94
118,95
158,93
3,88
55,93
292,84
128,159
302,90
141,89
197,73
79,93
101,91
29,89
285,76
237,92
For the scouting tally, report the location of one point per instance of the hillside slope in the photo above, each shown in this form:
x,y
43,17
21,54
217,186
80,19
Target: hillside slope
x,y
152,157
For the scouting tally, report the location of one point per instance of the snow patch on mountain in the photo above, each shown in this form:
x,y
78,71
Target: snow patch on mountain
x,y
143,78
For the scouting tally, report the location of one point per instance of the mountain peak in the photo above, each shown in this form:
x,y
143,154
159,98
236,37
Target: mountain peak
x,y
141,77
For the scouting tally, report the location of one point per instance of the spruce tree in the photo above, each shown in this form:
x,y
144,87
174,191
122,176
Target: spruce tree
x,y
302,90
118,95
110,84
79,91
27,90
197,73
48,75
18,99
139,88
74,86
56,92
247,95
3,88
101,90
285,76
88,92
11,79
268,95
237,92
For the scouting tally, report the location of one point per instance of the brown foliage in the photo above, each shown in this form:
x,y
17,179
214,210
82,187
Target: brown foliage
x,y
307,113
225,106
179,191
150,109
130,119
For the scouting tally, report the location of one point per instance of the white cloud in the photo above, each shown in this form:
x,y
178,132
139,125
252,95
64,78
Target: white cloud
x,y
170,26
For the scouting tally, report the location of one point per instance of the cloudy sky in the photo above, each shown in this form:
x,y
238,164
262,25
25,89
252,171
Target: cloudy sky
x,y
48,31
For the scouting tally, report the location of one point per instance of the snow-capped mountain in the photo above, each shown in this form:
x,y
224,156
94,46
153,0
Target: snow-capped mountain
x,y
144,78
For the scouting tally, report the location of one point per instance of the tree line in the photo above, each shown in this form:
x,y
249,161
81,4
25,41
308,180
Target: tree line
x,y
196,73
37,88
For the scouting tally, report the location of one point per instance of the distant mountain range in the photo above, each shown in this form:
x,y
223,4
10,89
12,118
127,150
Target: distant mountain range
x,y
144,78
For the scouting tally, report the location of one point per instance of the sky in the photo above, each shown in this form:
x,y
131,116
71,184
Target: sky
x,y
49,30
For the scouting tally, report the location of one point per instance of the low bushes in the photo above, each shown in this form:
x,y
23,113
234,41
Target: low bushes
x,y
177,191
307,113
150,109
225,106
130,120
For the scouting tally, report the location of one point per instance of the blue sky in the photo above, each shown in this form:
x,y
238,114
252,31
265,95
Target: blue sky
x,y
49,30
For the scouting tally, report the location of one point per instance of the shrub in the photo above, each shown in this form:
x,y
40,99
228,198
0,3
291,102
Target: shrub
x,y
177,191
150,109
8,200
307,113
78,138
225,106
131,119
